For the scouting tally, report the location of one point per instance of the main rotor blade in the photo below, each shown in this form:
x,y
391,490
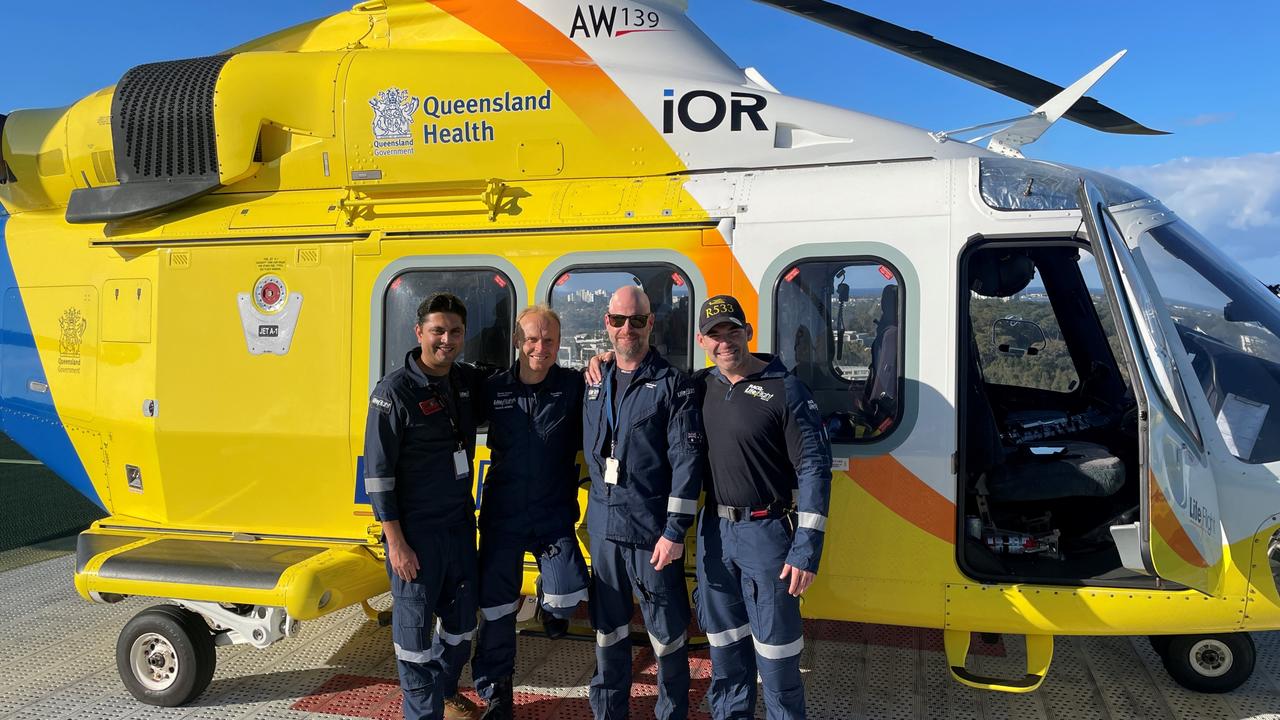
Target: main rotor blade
x,y
971,66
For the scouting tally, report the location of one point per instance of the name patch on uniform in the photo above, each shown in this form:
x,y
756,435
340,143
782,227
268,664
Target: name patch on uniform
x,y
430,406
593,392
380,404
756,391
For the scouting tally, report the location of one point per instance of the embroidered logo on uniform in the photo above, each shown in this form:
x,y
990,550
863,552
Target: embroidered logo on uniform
x,y
593,392
381,405
694,438
503,394
464,393
685,393
813,406
756,391
430,406
504,403
651,385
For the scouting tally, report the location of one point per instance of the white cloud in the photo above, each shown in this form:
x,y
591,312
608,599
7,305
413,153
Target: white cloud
x,y
1234,202
1239,193
1208,119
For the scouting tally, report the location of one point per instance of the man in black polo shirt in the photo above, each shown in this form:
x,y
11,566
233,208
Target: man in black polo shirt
x,y
761,532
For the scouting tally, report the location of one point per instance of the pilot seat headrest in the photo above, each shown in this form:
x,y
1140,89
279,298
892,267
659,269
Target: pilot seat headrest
x,y
1000,272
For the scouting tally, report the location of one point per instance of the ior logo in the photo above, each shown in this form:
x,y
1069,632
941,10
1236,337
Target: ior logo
x,y
704,110
393,111
613,21
756,391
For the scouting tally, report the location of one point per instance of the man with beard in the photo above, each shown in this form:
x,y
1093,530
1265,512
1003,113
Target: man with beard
x,y
643,444
419,443
761,533
529,502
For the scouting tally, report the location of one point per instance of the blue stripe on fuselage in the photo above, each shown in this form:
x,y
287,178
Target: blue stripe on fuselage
x,y
27,416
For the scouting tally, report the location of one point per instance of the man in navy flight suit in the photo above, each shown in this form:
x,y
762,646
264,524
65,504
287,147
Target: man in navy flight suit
x,y
760,536
643,443
529,501
419,443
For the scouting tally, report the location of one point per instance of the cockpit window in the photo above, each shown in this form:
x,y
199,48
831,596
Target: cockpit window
x,y
1012,184
1229,325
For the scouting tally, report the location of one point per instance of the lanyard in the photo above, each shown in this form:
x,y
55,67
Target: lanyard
x,y
451,408
609,382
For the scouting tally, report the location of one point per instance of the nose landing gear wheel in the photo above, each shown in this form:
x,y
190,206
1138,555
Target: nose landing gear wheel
x,y
1210,663
165,656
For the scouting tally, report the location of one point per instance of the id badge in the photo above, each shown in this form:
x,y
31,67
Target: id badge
x,y
611,471
461,467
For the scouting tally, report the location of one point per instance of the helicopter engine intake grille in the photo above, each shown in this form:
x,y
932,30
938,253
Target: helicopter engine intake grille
x,y
162,120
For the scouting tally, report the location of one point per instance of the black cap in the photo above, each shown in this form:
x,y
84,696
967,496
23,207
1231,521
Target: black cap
x,y
720,309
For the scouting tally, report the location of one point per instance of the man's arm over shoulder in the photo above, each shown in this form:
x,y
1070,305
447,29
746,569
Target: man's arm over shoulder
x,y
686,445
382,433
810,453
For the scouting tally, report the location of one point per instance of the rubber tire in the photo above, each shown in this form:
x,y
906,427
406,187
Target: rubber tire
x,y
1160,644
1177,661
192,642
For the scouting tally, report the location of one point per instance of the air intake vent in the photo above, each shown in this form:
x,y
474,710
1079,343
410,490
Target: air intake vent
x,y
165,143
162,120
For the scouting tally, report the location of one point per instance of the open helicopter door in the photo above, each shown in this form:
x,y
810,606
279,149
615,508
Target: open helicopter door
x,y
1179,535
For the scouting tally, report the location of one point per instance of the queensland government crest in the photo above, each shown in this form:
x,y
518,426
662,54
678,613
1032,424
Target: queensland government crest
x,y
393,111
72,325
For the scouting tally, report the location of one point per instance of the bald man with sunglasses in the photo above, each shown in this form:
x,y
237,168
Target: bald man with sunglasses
x,y
644,448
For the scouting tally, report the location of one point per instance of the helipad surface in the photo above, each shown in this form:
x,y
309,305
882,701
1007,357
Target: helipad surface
x,y
57,661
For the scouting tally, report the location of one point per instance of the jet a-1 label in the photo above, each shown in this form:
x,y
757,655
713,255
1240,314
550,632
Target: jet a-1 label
x,y
613,21
703,110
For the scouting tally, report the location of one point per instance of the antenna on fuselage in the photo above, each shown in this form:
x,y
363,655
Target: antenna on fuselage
x,y
975,68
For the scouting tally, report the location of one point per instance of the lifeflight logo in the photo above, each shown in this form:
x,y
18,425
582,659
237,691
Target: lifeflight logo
x,y
703,110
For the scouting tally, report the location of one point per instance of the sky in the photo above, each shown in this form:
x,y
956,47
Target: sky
x,y
1205,71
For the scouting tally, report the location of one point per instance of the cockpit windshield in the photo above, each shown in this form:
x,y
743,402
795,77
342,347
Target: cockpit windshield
x,y
1229,324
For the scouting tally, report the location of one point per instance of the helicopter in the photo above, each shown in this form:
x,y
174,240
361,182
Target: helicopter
x,y
209,265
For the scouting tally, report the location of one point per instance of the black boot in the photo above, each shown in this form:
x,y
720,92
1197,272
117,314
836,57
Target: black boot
x,y
555,627
502,705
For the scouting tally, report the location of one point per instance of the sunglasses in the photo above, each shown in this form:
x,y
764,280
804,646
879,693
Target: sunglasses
x,y
637,321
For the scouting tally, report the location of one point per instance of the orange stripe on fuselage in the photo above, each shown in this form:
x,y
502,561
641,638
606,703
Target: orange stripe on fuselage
x,y
573,75
1170,529
905,494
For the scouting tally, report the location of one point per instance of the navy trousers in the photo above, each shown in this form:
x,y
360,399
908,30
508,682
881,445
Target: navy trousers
x,y
618,574
444,589
563,585
752,624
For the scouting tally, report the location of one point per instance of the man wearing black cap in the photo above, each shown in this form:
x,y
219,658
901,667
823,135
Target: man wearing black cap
x,y
761,533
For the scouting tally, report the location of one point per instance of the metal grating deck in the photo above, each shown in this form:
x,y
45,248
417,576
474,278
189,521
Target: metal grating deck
x,y
57,661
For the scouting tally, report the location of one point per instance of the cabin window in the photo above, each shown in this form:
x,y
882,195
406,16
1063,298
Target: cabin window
x,y
581,296
490,302
837,326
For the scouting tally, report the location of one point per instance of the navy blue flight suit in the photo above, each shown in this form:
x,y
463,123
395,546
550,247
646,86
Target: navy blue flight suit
x,y
415,424
656,436
767,501
529,504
